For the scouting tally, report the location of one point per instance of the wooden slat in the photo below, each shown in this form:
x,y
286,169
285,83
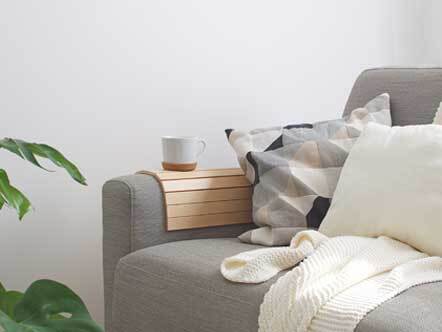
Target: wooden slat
x,y
197,196
209,220
196,209
205,183
167,175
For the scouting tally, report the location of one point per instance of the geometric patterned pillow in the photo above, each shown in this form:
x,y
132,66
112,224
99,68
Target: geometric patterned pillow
x,y
294,169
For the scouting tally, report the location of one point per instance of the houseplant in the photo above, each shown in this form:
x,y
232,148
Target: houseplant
x,y
46,306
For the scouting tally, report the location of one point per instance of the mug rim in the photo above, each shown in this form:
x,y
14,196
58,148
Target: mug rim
x,y
180,137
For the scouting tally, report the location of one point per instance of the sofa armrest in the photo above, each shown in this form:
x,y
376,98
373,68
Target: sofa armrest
x,y
134,218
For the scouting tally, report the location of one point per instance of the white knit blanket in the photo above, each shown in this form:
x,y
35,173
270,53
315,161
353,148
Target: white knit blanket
x,y
340,281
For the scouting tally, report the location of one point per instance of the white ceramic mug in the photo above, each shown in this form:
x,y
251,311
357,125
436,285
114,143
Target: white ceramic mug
x,y
182,150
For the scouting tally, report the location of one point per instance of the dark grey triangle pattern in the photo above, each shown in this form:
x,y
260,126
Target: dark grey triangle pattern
x,y
318,212
276,144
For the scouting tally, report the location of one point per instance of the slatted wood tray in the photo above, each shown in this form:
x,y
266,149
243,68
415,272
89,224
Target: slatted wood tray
x,y
205,198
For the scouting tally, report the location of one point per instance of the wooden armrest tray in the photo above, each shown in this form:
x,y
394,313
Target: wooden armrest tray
x,y
205,198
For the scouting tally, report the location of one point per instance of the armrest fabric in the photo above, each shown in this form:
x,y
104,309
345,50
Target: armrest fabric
x,y
134,218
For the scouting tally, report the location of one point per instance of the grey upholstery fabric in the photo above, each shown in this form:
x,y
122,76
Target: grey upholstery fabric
x,y
417,309
177,287
133,218
415,92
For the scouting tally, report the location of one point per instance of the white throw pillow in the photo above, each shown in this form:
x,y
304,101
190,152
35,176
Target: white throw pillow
x,y
391,184
438,116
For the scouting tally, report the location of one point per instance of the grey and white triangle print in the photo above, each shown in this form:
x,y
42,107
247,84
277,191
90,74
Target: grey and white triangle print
x,y
294,169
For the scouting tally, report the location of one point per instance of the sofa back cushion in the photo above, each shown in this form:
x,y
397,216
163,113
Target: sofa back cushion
x,y
415,92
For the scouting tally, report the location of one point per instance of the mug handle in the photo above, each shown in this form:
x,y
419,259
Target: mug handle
x,y
203,147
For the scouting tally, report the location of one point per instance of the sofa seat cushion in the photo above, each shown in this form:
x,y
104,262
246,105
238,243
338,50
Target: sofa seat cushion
x,y
178,286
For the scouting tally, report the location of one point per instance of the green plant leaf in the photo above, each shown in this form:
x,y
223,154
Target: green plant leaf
x,y
43,309
8,301
12,196
58,159
9,325
21,149
29,151
9,145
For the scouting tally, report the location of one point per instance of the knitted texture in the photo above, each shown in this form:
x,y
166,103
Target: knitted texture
x,y
260,265
340,281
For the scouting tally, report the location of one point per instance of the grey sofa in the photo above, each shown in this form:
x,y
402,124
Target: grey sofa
x,y
158,281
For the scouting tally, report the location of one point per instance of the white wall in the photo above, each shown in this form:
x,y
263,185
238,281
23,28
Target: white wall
x,y
432,33
103,80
